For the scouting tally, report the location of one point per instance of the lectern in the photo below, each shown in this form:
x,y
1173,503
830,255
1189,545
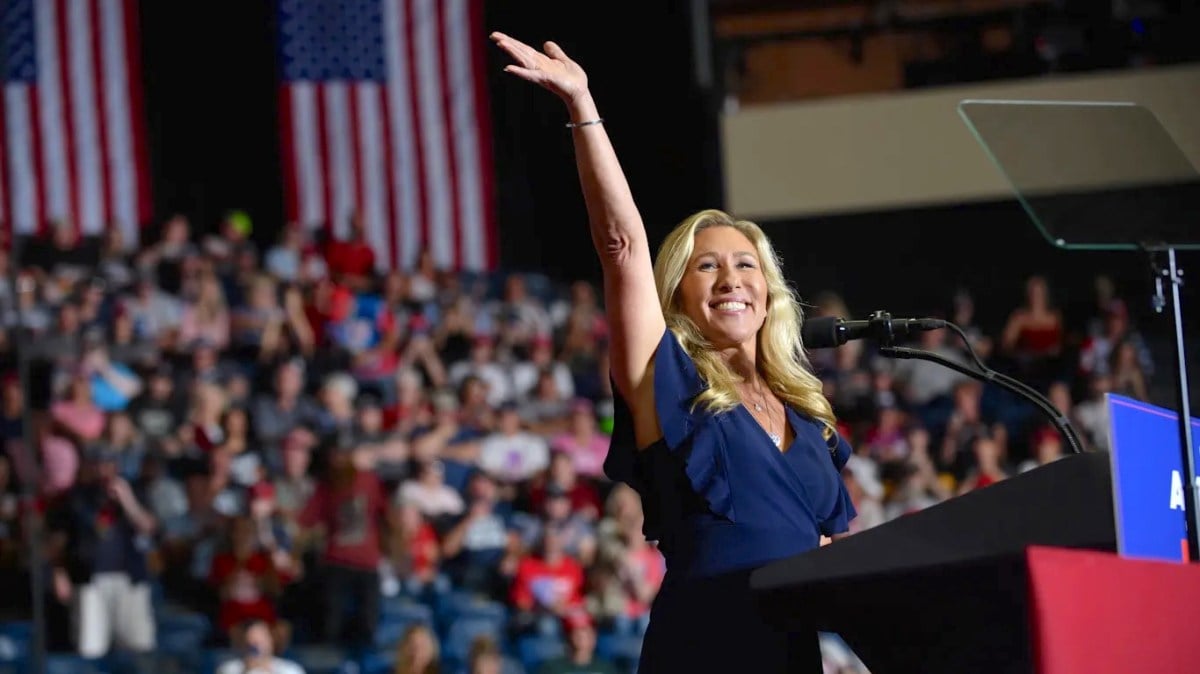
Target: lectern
x,y
945,589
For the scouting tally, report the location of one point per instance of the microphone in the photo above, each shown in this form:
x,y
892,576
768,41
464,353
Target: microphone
x,y
826,332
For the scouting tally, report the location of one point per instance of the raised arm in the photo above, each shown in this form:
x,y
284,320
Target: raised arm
x,y
631,299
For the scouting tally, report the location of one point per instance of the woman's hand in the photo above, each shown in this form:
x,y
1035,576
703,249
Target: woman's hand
x,y
553,69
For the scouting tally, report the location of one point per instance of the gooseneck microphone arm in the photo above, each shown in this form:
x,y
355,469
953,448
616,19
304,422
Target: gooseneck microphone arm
x,y
988,375
828,331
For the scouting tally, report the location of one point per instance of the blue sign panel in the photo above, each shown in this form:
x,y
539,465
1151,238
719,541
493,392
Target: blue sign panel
x,y
1148,480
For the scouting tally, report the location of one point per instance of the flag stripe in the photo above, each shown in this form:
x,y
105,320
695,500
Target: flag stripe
x,y
389,179
405,185
125,165
448,100
483,138
339,130
466,142
100,106
287,157
55,203
355,151
137,120
74,204
433,132
89,215
417,139
308,170
323,154
372,174
24,158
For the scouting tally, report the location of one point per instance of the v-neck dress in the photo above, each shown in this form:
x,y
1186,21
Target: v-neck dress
x,y
722,500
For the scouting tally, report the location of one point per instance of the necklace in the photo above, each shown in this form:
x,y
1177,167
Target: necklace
x,y
776,438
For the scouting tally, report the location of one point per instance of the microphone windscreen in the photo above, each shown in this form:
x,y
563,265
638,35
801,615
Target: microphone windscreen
x,y
820,332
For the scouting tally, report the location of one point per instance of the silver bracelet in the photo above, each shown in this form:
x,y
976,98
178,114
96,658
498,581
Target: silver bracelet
x,y
576,125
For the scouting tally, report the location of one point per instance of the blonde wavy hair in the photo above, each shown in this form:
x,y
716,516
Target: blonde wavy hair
x,y
782,361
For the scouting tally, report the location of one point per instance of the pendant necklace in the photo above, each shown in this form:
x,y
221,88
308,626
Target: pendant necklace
x,y
775,437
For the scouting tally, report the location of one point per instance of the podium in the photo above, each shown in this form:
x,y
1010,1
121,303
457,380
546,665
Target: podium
x,y
1017,578
946,589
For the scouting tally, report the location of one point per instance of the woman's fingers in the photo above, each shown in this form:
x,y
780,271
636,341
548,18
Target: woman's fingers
x,y
520,51
555,51
535,76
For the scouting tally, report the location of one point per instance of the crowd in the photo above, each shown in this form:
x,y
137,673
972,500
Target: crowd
x,y
246,458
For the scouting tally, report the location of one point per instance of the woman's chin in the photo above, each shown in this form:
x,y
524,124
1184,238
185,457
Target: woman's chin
x,y
723,338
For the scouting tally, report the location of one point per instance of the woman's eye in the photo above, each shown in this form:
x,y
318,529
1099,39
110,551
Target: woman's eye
x,y
705,266
746,265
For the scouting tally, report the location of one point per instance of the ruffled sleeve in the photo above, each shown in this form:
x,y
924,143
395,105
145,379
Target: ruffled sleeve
x,y
690,438
838,521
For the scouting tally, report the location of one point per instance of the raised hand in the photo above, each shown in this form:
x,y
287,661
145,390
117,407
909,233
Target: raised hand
x,y
551,69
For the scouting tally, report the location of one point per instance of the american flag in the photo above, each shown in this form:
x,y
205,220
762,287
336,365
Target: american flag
x,y
73,143
383,116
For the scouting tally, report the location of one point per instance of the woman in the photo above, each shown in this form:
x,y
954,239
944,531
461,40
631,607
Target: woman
x,y
721,426
417,652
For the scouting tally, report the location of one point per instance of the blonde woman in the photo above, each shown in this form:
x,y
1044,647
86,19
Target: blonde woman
x,y
417,652
721,426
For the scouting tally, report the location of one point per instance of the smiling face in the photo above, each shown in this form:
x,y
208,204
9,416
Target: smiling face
x,y
723,289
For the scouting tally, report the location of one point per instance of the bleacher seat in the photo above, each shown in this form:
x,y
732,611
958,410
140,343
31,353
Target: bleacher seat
x,y
377,662
458,637
67,663
451,606
534,650
321,660
403,608
620,649
212,658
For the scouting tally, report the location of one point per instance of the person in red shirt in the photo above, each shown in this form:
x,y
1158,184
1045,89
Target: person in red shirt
x,y
351,260
547,587
247,579
348,506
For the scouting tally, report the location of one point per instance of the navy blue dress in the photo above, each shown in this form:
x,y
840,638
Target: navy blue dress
x,y
722,500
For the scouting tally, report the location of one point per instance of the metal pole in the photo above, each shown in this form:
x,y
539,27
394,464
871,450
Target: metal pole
x,y
31,486
1191,491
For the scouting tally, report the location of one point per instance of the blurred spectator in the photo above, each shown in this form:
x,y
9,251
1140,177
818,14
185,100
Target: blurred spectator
x,y
475,546
100,531
527,373
429,494
1092,412
348,506
545,412
351,260
581,652
256,653
1034,334
987,470
417,652
482,364
411,565
548,586
206,317
511,454
246,577
1047,447
1106,335
583,441
485,657
562,478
